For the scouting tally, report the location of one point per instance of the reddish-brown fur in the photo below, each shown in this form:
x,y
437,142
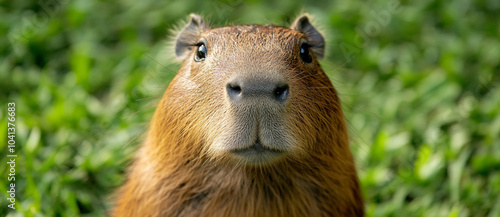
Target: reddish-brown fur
x,y
178,173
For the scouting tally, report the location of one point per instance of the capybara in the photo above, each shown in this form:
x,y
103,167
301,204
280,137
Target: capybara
x,y
251,126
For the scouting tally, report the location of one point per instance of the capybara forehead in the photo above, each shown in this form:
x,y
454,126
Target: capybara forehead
x,y
254,37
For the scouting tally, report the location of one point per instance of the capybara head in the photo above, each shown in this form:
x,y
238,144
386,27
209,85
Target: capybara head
x,y
250,126
258,93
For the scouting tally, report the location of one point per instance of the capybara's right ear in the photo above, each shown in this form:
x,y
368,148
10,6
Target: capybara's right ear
x,y
315,38
189,35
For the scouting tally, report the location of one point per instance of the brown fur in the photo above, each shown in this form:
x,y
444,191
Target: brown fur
x,y
178,173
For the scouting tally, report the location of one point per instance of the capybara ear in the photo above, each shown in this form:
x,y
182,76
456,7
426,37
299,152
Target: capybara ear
x,y
189,35
315,39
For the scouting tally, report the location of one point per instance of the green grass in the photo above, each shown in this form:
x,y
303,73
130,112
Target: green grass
x,y
421,94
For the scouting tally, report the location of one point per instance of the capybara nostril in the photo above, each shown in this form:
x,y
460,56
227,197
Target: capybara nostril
x,y
234,91
281,92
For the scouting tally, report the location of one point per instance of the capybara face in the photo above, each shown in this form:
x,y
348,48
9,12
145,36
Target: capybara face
x,y
259,91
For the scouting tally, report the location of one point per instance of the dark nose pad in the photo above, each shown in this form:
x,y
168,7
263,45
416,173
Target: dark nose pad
x,y
241,89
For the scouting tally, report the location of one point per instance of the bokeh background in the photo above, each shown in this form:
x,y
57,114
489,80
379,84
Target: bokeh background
x,y
419,82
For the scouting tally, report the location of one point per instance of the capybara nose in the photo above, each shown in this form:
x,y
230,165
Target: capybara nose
x,y
242,89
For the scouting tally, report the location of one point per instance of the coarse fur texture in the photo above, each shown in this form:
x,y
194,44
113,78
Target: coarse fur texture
x,y
186,166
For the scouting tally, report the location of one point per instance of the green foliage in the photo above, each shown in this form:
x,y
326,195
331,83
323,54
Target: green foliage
x,y
419,81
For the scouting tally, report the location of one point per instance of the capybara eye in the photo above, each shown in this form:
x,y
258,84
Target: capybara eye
x,y
201,53
304,53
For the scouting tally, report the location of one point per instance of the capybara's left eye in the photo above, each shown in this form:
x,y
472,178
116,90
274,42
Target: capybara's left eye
x,y
201,53
304,52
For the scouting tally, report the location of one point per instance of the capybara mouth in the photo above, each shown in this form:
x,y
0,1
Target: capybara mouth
x,y
257,153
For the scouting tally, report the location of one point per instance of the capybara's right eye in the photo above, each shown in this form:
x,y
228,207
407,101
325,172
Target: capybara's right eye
x,y
304,53
201,53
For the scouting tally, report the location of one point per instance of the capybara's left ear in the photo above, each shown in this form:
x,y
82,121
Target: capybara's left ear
x,y
315,39
189,35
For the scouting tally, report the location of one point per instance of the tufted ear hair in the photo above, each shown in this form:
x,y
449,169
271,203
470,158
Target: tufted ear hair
x,y
315,39
189,35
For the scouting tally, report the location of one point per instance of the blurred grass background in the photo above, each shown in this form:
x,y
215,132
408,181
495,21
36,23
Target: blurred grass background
x,y
419,82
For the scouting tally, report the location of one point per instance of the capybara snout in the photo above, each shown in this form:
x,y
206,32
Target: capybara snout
x,y
242,89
